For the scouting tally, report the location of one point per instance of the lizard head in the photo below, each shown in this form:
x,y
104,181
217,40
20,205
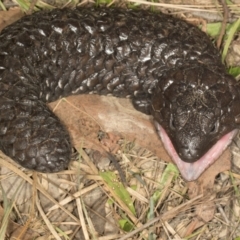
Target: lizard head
x,y
197,112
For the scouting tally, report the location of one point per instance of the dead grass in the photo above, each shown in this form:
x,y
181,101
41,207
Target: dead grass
x,y
84,202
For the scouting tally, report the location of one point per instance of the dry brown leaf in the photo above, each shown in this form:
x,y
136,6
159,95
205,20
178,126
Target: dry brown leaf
x,y
9,17
205,182
12,184
204,185
112,115
15,230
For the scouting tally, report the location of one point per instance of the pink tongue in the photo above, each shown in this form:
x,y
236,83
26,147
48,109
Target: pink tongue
x,y
191,171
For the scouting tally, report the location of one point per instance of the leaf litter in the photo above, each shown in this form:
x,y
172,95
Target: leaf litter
x,y
89,201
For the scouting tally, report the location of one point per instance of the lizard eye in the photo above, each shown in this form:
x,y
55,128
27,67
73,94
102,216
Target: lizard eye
x,y
172,123
214,128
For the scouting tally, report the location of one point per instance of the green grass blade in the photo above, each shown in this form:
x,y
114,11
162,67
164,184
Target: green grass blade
x,y
231,34
118,188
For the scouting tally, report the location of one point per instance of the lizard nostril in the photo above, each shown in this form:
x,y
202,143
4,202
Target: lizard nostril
x,y
188,154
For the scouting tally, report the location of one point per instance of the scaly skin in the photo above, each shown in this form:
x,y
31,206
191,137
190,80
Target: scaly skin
x,y
170,69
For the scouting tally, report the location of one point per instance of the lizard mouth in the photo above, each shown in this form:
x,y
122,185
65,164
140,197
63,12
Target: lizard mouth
x,y
191,171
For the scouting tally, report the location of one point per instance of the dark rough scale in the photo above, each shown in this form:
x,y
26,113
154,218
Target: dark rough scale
x,y
169,68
